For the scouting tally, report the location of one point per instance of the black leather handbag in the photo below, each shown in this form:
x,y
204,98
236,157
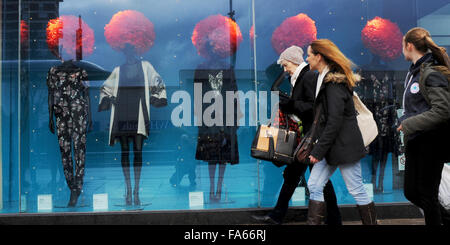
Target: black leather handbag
x,y
273,144
306,145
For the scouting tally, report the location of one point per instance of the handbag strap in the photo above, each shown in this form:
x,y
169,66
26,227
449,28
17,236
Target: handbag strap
x,y
316,121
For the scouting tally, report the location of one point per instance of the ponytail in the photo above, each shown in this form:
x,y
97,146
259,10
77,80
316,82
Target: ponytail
x,y
421,39
440,53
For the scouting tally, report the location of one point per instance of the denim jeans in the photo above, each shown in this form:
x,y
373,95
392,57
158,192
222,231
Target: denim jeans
x,y
322,172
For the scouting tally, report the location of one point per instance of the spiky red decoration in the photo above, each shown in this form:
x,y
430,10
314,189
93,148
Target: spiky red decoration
x,y
24,32
252,34
63,31
383,38
299,30
222,33
132,27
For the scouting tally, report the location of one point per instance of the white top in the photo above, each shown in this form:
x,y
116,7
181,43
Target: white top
x,y
297,72
293,81
320,79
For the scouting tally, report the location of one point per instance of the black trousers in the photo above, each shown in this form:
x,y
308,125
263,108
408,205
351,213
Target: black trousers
x,y
292,175
71,128
423,175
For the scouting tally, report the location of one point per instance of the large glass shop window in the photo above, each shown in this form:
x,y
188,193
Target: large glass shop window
x,y
108,121
370,33
113,105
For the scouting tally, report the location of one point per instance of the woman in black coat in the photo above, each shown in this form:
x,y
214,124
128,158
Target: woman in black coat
x,y
339,140
298,106
425,122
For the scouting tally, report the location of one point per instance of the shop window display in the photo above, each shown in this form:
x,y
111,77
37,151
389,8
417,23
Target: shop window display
x,y
99,106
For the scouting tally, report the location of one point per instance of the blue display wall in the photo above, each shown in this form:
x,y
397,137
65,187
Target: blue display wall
x,y
171,178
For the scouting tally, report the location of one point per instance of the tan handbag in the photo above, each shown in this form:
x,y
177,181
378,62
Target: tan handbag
x,y
366,123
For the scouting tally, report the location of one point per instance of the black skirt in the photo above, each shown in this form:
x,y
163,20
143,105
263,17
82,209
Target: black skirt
x,y
217,146
131,94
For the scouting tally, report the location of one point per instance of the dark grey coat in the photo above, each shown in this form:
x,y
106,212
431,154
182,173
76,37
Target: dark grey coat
x,y
434,109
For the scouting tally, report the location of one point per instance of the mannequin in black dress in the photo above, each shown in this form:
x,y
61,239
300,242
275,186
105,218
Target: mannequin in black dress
x,y
217,145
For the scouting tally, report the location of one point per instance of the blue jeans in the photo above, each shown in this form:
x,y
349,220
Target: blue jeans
x,y
322,172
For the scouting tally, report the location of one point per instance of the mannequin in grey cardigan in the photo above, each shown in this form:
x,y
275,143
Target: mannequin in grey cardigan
x,y
128,93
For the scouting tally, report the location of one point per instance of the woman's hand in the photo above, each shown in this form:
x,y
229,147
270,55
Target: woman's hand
x,y
400,128
313,160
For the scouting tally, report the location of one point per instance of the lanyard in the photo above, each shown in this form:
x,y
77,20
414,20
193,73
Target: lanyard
x,y
406,89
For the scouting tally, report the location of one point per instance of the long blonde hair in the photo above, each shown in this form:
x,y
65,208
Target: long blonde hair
x,y
334,58
421,39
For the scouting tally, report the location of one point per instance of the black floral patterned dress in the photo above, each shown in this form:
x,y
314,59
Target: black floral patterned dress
x,y
217,144
67,85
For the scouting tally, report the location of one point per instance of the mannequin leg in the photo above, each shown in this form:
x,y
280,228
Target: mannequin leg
x,y
375,161
126,167
65,146
382,167
212,177
79,145
374,171
220,181
137,164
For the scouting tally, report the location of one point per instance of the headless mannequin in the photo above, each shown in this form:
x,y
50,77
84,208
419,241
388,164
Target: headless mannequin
x,y
69,66
380,146
215,194
133,65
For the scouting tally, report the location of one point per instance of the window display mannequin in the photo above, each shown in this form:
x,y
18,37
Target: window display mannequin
x,y
128,93
379,95
216,38
380,147
217,145
68,101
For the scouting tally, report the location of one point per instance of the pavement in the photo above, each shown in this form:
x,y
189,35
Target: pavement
x,y
380,222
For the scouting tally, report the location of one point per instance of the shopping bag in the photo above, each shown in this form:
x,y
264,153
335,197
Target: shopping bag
x,y
366,122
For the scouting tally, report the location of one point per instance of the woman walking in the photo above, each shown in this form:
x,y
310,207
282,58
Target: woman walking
x,y
339,140
425,122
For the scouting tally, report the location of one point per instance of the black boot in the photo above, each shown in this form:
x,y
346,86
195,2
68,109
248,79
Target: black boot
x,y
368,214
316,212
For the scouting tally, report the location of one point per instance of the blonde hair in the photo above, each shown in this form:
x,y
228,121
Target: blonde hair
x,y
334,58
421,39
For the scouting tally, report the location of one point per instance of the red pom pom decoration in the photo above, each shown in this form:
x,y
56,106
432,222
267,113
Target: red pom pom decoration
x,y
252,34
217,34
63,30
130,27
24,32
383,38
299,30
